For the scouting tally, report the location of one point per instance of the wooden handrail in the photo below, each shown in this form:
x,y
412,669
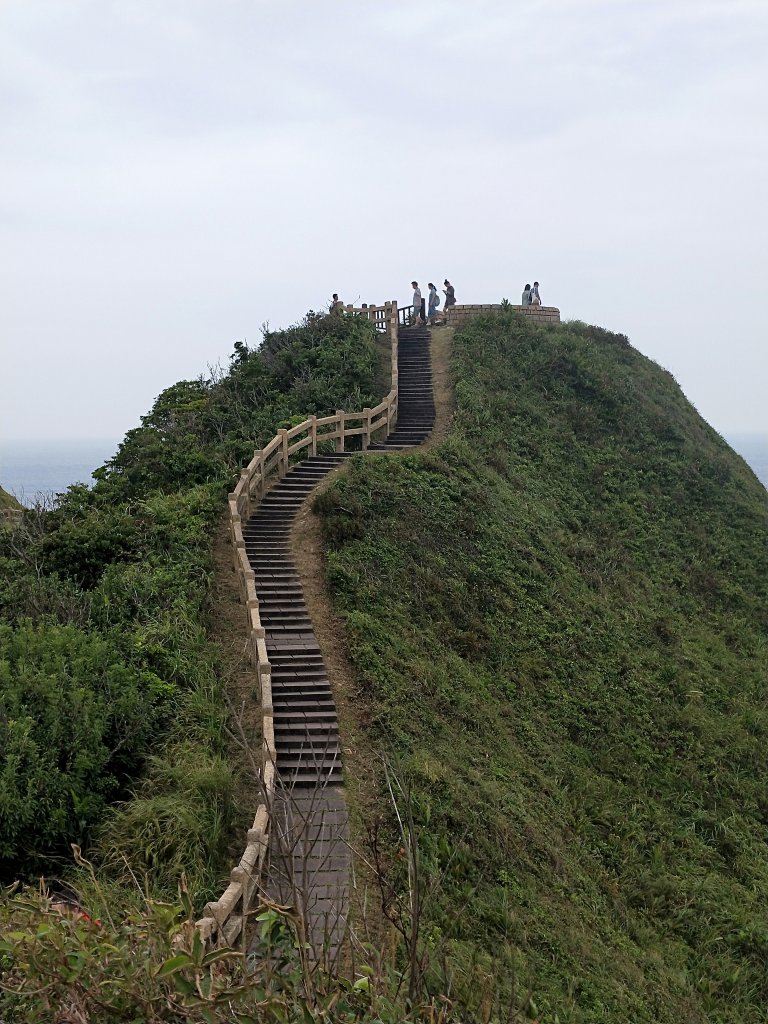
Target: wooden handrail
x,y
405,314
223,920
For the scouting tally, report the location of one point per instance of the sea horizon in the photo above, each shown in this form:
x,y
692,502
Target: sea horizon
x,y
36,469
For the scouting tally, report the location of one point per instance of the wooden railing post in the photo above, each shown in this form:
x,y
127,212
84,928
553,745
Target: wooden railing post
x,y
283,452
366,435
313,434
340,438
262,481
247,492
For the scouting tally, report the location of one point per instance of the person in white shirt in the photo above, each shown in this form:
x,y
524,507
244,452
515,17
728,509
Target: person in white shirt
x,y
535,297
416,300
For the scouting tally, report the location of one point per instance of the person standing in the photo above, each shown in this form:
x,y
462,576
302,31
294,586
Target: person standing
x,y
416,301
450,297
535,297
527,295
337,306
433,302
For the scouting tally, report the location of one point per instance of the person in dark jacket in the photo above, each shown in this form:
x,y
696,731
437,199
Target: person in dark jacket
x,y
450,297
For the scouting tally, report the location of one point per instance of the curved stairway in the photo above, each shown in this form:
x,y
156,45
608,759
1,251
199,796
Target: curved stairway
x,y
309,834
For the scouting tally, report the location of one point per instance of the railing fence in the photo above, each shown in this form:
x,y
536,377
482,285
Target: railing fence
x,y
224,920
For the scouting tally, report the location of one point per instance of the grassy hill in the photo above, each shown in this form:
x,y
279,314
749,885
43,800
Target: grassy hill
x,y
7,501
558,621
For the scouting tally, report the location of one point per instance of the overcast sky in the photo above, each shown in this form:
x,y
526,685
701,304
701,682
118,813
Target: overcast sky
x,y
176,172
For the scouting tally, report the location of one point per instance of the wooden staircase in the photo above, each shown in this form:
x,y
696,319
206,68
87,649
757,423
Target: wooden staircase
x,y
416,402
306,726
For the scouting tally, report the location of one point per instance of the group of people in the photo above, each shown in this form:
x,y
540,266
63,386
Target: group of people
x,y
531,297
433,300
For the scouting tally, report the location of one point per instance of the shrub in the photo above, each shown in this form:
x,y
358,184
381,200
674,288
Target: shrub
x,y
75,721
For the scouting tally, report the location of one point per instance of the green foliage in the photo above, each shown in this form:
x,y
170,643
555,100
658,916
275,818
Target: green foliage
x,y
181,817
200,431
558,621
74,721
105,654
149,965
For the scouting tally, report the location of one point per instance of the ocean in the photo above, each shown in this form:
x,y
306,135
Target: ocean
x,y
753,448
35,470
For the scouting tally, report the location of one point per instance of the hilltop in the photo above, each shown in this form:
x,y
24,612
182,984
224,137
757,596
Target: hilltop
x,y
557,619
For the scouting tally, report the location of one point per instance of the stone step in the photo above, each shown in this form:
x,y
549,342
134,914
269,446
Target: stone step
x,y
272,573
289,674
291,692
292,716
292,611
315,698
281,559
307,779
297,668
274,617
317,733
287,655
307,706
277,626
297,724
312,757
295,646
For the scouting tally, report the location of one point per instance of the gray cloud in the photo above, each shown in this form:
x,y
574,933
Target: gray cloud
x,y
175,174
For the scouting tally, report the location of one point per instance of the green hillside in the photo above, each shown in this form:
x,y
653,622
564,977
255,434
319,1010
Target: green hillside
x,y
7,501
558,621
112,681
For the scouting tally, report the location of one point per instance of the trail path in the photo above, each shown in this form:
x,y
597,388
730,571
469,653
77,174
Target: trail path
x,y
309,851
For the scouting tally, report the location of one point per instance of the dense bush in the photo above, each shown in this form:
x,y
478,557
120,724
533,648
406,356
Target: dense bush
x,y
202,430
58,964
105,658
75,720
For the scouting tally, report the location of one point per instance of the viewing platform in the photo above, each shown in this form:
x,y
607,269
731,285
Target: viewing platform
x,y
458,314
